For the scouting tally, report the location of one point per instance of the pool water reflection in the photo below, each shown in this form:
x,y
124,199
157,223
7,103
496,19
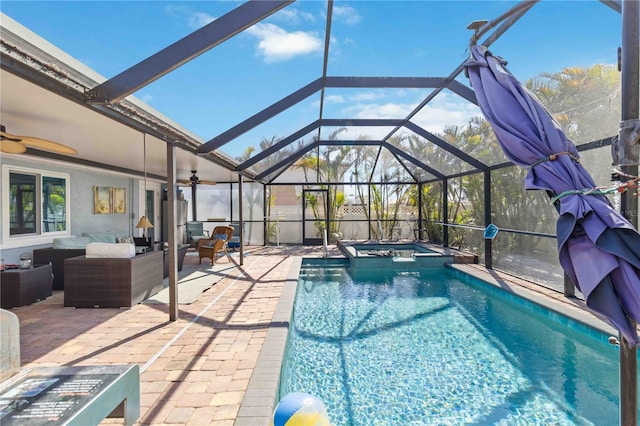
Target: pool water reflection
x,y
428,348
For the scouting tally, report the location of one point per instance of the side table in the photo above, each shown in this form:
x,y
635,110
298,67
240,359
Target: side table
x,y
20,287
182,252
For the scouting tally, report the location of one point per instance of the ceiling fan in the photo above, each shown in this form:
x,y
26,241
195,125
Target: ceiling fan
x,y
194,180
13,144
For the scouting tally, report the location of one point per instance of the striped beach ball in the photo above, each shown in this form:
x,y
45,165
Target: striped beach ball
x,y
300,409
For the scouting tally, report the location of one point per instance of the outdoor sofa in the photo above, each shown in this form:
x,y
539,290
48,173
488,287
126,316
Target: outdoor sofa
x,y
112,282
65,248
56,258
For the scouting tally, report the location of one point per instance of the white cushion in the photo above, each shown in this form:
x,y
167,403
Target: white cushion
x,y
104,237
110,250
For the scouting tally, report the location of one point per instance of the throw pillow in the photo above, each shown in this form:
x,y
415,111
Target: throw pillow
x,y
71,242
219,236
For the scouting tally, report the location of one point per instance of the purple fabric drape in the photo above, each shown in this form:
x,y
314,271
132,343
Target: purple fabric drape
x,y
598,248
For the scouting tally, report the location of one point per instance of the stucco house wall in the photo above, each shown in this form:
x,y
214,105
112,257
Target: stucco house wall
x,y
82,219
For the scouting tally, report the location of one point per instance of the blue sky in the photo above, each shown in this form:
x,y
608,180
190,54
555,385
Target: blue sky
x,y
280,55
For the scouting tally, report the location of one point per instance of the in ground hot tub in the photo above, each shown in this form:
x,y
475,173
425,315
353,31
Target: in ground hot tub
x,y
390,255
393,250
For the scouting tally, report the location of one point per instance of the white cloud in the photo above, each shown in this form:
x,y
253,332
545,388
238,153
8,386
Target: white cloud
x,y
146,98
275,44
199,19
370,133
373,111
348,41
293,16
444,110
366,96
388,110
193,19
347,14
175,10
329,99
435,119
334,99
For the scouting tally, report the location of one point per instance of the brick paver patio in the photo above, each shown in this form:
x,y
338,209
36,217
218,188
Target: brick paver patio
x,y
194,371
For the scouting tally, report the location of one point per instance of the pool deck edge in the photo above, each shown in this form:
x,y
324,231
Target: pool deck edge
x,y
259,400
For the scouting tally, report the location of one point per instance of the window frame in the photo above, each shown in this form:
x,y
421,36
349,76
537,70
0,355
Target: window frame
x,y
40,237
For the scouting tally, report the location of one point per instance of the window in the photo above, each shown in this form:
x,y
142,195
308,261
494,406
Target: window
x,y
37,203
54,204
22,204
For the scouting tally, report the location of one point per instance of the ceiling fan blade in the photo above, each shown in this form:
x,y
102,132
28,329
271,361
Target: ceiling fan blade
x,y
11,147
194,179
47,145
38,143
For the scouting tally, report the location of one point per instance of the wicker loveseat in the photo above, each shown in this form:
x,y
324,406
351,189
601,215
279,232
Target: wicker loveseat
x,y
112,282
66,247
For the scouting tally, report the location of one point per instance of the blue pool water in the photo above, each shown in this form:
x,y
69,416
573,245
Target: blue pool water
x,y
425,348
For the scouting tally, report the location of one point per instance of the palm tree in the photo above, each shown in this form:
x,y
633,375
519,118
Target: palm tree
x,y
331,167
252,197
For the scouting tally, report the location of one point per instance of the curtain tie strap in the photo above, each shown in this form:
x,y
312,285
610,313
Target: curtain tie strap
x,y
553,157
592,191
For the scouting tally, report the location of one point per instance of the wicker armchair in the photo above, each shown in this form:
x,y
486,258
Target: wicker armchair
x,y
210,247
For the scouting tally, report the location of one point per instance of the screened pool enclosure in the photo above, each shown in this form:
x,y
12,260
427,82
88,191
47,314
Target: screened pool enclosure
x,y
392,149
397,179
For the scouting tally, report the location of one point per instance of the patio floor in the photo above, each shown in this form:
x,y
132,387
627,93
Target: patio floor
x,y
194,371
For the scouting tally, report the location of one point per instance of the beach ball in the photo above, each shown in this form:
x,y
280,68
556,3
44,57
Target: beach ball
x,y
300,409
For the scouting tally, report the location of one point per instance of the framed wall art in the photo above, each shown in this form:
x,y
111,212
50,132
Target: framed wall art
x,y
101,200
118,200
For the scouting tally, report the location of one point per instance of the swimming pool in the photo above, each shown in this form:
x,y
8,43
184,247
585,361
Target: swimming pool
x,y
432,347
